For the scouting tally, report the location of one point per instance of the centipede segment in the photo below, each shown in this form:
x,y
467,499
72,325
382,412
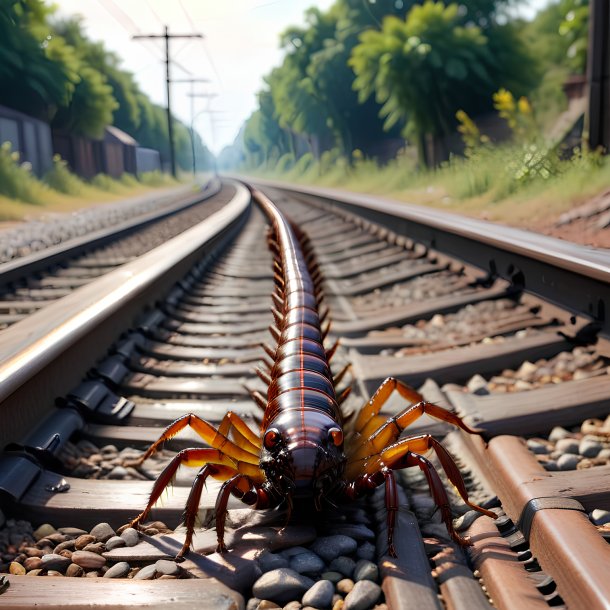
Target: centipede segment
x,y
305,448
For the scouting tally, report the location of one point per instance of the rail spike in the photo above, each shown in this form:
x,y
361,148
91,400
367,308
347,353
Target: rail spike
x,y
305,448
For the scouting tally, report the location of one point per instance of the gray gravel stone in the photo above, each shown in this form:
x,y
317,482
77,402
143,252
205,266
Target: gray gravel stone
x,y
293,606
537,447
102,532
72,531
55,562
568,461
253,603
567,445
281,586
43,531
344,565
88,560
116,542
334,577
118,570
366,551
320,595
557,433
167,567
146,573
357,531
364,595
118,473
329,547
589,447
306,563
600,517
366,570
130,536
270,561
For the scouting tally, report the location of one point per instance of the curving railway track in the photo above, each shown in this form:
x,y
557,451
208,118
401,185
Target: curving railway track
x,y
508,331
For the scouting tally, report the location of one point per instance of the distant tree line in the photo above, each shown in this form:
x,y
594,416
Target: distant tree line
x,y
365,72
50,70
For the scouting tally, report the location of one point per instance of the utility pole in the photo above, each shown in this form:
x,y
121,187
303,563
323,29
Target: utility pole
x,y
597,126
170,130
192,95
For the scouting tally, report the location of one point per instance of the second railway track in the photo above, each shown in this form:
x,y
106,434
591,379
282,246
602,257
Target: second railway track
x,y
89,381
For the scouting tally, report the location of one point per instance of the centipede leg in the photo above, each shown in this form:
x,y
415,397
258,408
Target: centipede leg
x,y
221,506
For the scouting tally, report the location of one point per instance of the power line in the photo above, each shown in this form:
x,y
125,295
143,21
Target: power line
x,y
167,37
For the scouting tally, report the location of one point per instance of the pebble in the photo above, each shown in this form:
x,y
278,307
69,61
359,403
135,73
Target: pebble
x,y
567,445
477,385
366,570
55,562
86,559
357,531
600,517
67,545
364,595
95,547
558,433
118,473
130,536
338,604
74,570
118,570
270,561
306,563
253,603
344,565
281,586
54,573
43,531
589,447
320,595
293,606
568,461
536,446
146,573
115,542
345,586
82,541
32,563
102,532
329,547
366,551
166,567
35,572
267,605
74,532
16,568
332,576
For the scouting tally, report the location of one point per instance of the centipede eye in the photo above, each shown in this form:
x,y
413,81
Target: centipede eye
x,y
272,438
337,436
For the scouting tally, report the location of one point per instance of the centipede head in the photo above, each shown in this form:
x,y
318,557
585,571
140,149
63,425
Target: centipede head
x,y
304,461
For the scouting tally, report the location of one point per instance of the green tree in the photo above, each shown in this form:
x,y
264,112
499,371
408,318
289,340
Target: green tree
x,y
425,68
38,73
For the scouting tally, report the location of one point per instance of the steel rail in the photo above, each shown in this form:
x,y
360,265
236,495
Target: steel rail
x,y
573,276
34,360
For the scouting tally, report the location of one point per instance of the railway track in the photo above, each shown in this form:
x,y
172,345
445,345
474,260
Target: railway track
x,y
510,335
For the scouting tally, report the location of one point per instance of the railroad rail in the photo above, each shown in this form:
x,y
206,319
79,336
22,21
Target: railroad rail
x,y
491,330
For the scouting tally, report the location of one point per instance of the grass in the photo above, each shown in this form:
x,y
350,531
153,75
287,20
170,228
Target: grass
x,y
517,184
24,196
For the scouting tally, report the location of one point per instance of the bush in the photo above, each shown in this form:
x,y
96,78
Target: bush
x,y
129,180
61,179
16,180
103,182
156,178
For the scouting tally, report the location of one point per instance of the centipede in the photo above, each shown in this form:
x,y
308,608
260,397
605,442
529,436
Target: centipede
x,y
305,447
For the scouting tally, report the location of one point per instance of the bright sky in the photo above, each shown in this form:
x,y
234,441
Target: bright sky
x,y
240,47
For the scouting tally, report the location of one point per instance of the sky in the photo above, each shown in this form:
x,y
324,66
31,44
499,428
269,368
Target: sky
x,y
240,46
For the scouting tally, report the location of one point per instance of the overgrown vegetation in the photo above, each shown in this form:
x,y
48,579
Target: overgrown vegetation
x,y
61,189
50,70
